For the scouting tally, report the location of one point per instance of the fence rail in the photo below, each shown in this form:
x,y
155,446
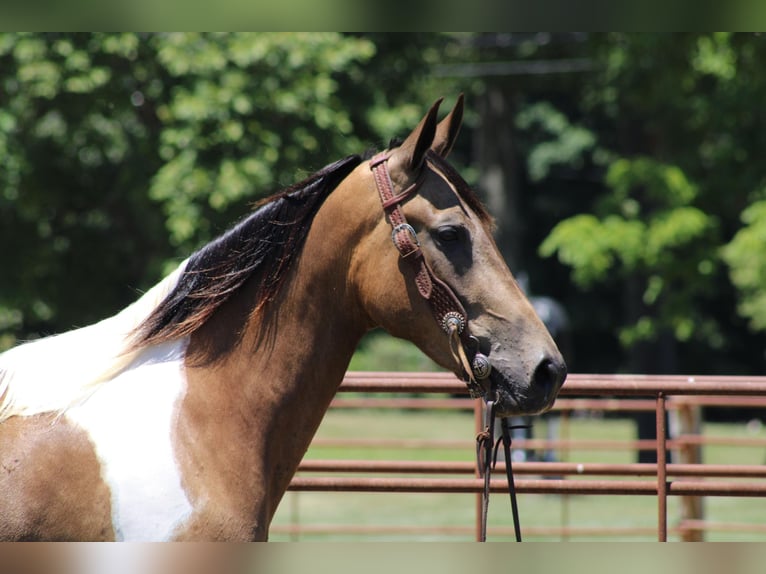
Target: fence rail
x,y
594,392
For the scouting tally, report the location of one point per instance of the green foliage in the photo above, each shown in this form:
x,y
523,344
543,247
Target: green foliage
x,y
244,112
744,256
123,152
648,231
673,117
562,143
658,183
379,351
76,154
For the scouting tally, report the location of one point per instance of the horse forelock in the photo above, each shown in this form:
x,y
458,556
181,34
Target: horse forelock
x,y
262,246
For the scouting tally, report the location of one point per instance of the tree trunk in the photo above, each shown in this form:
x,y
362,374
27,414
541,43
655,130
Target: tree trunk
x,y
497,162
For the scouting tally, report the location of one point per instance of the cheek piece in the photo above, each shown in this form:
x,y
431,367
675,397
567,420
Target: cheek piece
x,y
447,309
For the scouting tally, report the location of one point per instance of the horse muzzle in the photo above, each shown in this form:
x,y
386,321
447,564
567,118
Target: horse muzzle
x,y
518,393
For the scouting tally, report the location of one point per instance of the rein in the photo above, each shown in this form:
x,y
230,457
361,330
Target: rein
x,y
486,460
451,316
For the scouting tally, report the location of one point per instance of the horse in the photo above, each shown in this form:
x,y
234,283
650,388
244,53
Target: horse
x,y
185,415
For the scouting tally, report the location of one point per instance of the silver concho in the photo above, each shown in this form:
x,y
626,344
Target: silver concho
x,y
481,366
453,320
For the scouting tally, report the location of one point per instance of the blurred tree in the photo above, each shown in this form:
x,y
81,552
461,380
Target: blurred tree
x,y
246,113
77,155
748,266
633,159
123,152
677,136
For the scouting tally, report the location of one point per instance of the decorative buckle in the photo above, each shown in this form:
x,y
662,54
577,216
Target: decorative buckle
x,y
481,366
453,319
404,227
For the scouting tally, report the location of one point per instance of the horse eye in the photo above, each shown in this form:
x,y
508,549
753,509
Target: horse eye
x,y
448,233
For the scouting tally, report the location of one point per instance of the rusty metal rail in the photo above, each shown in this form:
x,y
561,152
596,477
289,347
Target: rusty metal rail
x,y
533,468
659,393
576,384
468,485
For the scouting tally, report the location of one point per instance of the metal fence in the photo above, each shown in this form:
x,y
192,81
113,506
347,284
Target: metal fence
x,y
680,396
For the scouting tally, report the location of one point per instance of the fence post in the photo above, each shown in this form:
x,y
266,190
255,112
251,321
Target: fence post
x,y
564,434
662,485
478,417
686,420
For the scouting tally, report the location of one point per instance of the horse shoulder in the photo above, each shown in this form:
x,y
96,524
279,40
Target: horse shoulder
x,y
51,486
103,469
130,421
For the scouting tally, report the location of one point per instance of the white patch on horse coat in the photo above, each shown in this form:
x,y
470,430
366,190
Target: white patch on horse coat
x,y
130,423
55,373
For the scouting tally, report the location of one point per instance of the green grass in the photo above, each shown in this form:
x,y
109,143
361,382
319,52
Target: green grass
x,y
379,351
458,510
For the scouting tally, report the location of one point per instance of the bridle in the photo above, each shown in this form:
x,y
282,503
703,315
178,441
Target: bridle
x,y
445,306
450,314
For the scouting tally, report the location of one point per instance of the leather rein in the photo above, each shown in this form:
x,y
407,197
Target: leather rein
x,y
450,314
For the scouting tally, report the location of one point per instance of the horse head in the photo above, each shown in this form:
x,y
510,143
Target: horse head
x,y
444,284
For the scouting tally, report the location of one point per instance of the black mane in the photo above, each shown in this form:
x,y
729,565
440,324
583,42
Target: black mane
x,y
264,243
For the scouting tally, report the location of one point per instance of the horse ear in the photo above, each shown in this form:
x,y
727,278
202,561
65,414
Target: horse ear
x,y
413,148
448,128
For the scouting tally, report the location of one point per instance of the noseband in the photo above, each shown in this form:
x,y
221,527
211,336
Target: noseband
x,y
451,316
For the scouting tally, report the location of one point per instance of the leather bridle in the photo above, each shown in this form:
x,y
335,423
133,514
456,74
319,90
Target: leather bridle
x,y
444,304
450,314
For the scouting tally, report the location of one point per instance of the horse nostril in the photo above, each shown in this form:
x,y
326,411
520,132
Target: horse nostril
x,y
549,374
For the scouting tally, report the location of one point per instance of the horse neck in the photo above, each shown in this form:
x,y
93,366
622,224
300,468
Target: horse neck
x,y
269,393
306,336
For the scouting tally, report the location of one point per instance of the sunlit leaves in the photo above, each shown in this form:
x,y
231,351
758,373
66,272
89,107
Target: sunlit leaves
x,y
673,229
75,156
563,143
687,111
650,231
593,247
253,108
715,56
393,122
747,264
143,146
650,181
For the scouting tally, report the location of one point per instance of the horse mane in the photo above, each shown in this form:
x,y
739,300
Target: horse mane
x,y
263,245
55,373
